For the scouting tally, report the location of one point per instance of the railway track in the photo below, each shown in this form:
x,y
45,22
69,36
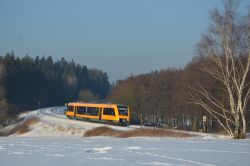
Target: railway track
x,y
53,111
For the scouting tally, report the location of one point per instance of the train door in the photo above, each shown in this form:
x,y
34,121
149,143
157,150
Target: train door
x,y
75,109
100,113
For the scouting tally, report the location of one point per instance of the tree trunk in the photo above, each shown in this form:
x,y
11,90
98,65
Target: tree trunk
x,y
194,123
244,126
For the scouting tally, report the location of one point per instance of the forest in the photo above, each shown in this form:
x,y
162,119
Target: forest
x,y
30,83
165,97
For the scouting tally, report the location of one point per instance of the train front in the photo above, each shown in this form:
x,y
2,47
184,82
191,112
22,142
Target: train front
x,y
124,114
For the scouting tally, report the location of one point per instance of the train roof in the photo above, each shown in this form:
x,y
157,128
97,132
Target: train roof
x,y
93,103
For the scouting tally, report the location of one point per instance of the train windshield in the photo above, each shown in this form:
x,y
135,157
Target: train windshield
x,y
70,109
123,110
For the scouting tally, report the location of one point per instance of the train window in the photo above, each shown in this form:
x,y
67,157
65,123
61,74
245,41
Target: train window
x,y
109,111
93,111
123,110
81,110
70,109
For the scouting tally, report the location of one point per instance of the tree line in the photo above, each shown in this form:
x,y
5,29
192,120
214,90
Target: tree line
x,y
30,83
165,97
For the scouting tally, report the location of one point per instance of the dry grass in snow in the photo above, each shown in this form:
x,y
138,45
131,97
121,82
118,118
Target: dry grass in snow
x,y
21,128
106,131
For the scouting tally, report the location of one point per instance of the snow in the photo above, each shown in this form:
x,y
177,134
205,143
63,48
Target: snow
x,y
56,140
78,151
99,150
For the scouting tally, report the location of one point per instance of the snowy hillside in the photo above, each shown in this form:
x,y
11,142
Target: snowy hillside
x,y
53,122
56,140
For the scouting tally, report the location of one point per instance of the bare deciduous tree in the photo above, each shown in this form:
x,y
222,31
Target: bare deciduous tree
x,y
227,46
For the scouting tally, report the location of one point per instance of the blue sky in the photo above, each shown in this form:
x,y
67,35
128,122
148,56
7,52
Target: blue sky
x,y
119,37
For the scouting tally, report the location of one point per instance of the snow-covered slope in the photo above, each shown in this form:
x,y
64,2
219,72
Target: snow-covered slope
x,y
53,122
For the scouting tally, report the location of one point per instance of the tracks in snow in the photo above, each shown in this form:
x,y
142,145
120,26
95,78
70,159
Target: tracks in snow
x,y
57,112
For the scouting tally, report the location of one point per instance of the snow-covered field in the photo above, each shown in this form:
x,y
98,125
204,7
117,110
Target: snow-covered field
x,y
76,151
56,140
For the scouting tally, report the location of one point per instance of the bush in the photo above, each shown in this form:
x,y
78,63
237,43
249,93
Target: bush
x,y
106,131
